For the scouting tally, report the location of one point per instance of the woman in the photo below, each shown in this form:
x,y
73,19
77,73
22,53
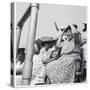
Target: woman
x,y
38,72
62,69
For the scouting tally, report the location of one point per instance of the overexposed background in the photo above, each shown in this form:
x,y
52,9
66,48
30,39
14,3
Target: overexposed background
x,y
63,15
5,44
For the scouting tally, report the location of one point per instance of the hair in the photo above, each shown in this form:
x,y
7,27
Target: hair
x,y
75,26
21,55
68,28
85,27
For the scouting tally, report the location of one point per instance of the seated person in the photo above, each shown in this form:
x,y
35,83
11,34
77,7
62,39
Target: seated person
x,y
38,72
62,69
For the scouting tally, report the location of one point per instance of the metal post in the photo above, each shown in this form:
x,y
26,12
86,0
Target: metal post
x,y
20,26
18,35
27,68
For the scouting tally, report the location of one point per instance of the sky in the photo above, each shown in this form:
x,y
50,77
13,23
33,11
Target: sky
x,y
47,15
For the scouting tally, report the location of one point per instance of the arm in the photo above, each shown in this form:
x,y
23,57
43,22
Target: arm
x,y
58,43
77,38
50,60
56,26
19,68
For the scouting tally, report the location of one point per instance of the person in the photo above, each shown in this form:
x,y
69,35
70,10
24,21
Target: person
x,y
43,53
62,69
84,50
38,72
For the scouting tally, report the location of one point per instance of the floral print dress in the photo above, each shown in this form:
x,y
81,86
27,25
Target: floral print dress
x,y
62,70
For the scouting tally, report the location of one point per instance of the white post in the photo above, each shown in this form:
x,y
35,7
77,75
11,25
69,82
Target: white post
x,y
27,68
18,35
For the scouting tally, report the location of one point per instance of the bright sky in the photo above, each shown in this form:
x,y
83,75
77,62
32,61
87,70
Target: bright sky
x,y
47,15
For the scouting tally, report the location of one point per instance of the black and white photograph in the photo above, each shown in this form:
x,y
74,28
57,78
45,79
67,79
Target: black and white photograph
x,y
49,46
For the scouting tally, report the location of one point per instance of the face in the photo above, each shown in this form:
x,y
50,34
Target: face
x,y
67,35
64,37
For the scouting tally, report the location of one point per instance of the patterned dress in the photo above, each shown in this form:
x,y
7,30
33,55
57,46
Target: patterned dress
x,y
38,72
62,70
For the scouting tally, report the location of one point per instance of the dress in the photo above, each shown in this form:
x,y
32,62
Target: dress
x,y
62,70
38,72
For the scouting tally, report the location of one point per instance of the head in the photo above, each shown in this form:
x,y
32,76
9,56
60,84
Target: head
x,y
21,57
67,35
75,26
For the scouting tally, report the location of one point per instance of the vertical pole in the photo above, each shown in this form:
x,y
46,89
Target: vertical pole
x,y
27,68
18,35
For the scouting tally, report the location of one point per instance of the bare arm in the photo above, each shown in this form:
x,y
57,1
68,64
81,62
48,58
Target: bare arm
x,y
19,68
56,26
49,60
52,59
58,44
